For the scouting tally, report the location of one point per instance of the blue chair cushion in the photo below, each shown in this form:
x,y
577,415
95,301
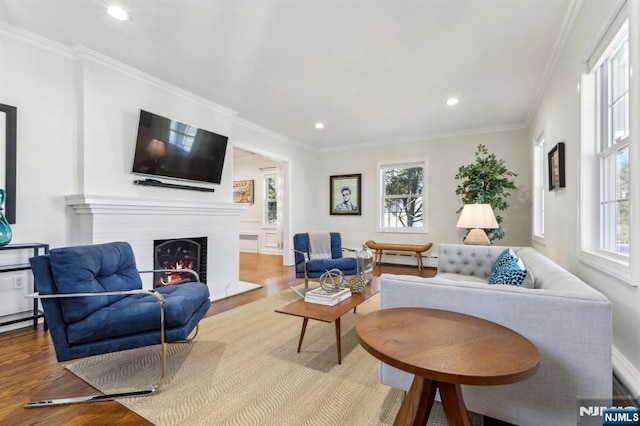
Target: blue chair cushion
x,y
139,313
322,265
90,269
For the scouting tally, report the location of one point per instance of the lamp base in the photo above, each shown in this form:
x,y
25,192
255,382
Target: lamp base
x,y
477,237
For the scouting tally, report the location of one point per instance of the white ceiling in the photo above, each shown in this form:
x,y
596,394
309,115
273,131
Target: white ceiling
x,y
372,70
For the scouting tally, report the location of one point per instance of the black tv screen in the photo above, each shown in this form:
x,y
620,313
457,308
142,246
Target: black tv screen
x,y
173,149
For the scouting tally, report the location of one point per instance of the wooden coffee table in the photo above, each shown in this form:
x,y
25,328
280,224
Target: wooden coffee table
x,y
445,350
324,313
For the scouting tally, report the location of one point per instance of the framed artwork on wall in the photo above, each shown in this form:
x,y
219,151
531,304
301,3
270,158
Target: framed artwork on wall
x,y
243,191
556,167
345,198
8,122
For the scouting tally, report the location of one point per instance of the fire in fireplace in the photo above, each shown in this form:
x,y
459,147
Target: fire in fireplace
x,y
179,253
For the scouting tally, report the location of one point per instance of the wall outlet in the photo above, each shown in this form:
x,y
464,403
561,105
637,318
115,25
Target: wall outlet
x,y
18,282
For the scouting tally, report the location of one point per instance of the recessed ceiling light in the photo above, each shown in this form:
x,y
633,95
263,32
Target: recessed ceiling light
x,y
452,101
116,12
319,125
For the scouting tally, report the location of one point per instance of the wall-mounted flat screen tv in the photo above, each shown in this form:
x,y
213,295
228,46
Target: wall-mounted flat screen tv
x,y
169,148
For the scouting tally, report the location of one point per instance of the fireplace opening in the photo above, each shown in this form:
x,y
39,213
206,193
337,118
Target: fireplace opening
x,y
179,253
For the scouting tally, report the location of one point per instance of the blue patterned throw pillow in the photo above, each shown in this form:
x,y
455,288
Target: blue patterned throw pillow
x,y
502,260
509,274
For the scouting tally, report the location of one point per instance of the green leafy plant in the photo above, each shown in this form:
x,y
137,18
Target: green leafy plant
x,y
486,181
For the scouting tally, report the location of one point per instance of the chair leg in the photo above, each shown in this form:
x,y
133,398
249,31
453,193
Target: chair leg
x,y
306,284
112,396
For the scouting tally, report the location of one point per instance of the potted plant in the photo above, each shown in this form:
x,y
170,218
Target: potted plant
x,y
487,180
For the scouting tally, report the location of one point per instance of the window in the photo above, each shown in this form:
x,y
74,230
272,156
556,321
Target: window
x,y
402,203
538,187
271,185
606,161
612,112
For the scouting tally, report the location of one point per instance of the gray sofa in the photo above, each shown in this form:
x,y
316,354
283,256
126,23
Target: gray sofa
x,y
567,320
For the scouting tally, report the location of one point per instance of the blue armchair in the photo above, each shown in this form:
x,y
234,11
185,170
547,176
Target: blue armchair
x,y
94,303
307,267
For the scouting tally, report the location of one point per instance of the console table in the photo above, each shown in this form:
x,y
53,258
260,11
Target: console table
x,y
35,314
445,350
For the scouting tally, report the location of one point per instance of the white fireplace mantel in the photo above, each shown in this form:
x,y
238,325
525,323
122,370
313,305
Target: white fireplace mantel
x,y
101,204
99,219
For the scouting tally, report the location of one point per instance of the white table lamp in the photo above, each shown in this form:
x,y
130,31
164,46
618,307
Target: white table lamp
x,y
479,217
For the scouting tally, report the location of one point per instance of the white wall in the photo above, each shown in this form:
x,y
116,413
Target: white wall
x,y
110,102
41,85
558,115
444,156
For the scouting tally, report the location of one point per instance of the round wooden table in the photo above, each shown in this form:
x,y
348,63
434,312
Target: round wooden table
x,y
445,350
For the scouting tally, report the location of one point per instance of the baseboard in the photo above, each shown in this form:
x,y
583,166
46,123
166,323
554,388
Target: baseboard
x,y
626,372
408,259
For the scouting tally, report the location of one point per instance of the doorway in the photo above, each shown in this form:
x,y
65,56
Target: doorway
x,y
264,224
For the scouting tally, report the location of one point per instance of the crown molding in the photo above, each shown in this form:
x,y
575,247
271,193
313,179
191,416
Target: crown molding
x,y
80,52
427,137
563,35
35,40
275,135
84,53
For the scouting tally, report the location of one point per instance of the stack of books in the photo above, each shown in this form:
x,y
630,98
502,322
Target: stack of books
x,y
322,297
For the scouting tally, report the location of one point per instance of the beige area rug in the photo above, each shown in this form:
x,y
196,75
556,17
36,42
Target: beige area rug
x,y
243,369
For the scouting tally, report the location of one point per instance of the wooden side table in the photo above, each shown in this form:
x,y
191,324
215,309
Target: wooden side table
x,y
445,350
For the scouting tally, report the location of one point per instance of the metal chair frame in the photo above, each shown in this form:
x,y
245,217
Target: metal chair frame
x,y
163,344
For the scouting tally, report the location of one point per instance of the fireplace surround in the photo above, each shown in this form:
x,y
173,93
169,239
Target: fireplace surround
x,y
100,219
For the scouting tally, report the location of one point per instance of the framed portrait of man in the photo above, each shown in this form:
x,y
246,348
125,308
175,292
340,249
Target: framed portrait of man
x,y
345,198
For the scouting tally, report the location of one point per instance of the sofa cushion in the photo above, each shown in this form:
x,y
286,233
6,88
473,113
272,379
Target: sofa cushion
x,y
139,313
529,281
502,260
92,269
509,274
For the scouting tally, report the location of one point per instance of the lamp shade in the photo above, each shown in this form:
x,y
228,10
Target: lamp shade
x,y
477,216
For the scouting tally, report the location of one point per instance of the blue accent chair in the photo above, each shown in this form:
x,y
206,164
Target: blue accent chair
x,y
313,268
94,303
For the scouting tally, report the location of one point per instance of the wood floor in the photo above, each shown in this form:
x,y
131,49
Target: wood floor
x,y
30,371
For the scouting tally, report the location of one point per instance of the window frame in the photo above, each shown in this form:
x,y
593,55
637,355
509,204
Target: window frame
x,y
424,163
265,198
539,188
593,128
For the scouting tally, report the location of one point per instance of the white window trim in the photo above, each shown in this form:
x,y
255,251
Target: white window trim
x,y
265,176
539,145
425,197
612,264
